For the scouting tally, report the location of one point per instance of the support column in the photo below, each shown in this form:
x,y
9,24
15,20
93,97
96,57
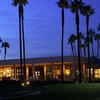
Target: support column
x,y
74,67
64,70
33,71
52,70
27,73
84,71
44,71
15,71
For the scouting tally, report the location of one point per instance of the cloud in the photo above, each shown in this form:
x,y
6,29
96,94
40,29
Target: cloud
x,y
6,14
41,15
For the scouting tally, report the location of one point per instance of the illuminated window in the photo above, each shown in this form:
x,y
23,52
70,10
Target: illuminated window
x,y
37,73
97,73
58,72
67,72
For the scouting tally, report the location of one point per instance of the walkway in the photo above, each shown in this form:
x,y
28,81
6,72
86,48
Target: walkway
x,y
22,93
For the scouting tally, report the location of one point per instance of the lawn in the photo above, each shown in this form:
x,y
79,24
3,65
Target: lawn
x,y
66,91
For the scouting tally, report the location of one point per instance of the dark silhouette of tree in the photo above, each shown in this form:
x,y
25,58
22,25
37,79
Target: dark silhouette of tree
x,y
20,4
71,41
87,11
97,38
0,42
62,4
5,45
91,35
81,37
75,7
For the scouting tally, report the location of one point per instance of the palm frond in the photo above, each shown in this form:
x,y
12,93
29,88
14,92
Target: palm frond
x,y
87,10
63,3
76,5
98,28
17,2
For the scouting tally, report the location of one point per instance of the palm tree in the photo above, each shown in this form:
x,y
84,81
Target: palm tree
x,y
71,41
62,4
97,38
92,34
1,42
81,37
86,41
21,3
5,45
98,28
75,7
0,39
87,11
84,48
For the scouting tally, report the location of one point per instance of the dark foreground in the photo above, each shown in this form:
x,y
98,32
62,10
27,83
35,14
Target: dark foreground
x,y
54,91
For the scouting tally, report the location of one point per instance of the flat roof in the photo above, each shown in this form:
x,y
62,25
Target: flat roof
x,y
49,60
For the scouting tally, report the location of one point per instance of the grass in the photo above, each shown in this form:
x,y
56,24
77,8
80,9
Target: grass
x,y
87,91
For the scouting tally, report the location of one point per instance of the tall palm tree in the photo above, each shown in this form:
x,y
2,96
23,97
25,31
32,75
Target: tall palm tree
x,y
84,48
97,38
71,44
87,11
62,4
0,40
92,34
71,41
81,37
24,2
86,41
98,28
5,45
20,4
75,7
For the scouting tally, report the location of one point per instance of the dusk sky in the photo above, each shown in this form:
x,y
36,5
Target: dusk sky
x,y
42,27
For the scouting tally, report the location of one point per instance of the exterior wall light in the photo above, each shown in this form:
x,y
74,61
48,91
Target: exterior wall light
x,y
23,84
28,83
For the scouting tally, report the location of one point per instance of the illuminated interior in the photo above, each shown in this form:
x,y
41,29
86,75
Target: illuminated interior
x,y
5,72
44,70
97,73
67,72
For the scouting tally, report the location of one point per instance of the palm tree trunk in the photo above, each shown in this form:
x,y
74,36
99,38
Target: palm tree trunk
x,y
74,63
5,50
23,38
62,40
78,42
92,50
80,47
81,52
4,56
84,51
98,48
87,26
74,49
20,41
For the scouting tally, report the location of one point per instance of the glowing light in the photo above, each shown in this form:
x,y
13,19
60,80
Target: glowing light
x,y
27,82
23,84
91,69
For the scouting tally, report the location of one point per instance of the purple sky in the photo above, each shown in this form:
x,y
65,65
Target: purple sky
x,y
42,27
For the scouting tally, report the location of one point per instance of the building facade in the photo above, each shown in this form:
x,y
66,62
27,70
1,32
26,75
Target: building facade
x,y
42,68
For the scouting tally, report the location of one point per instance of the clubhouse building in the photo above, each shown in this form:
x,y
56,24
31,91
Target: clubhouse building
x,y
41,68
